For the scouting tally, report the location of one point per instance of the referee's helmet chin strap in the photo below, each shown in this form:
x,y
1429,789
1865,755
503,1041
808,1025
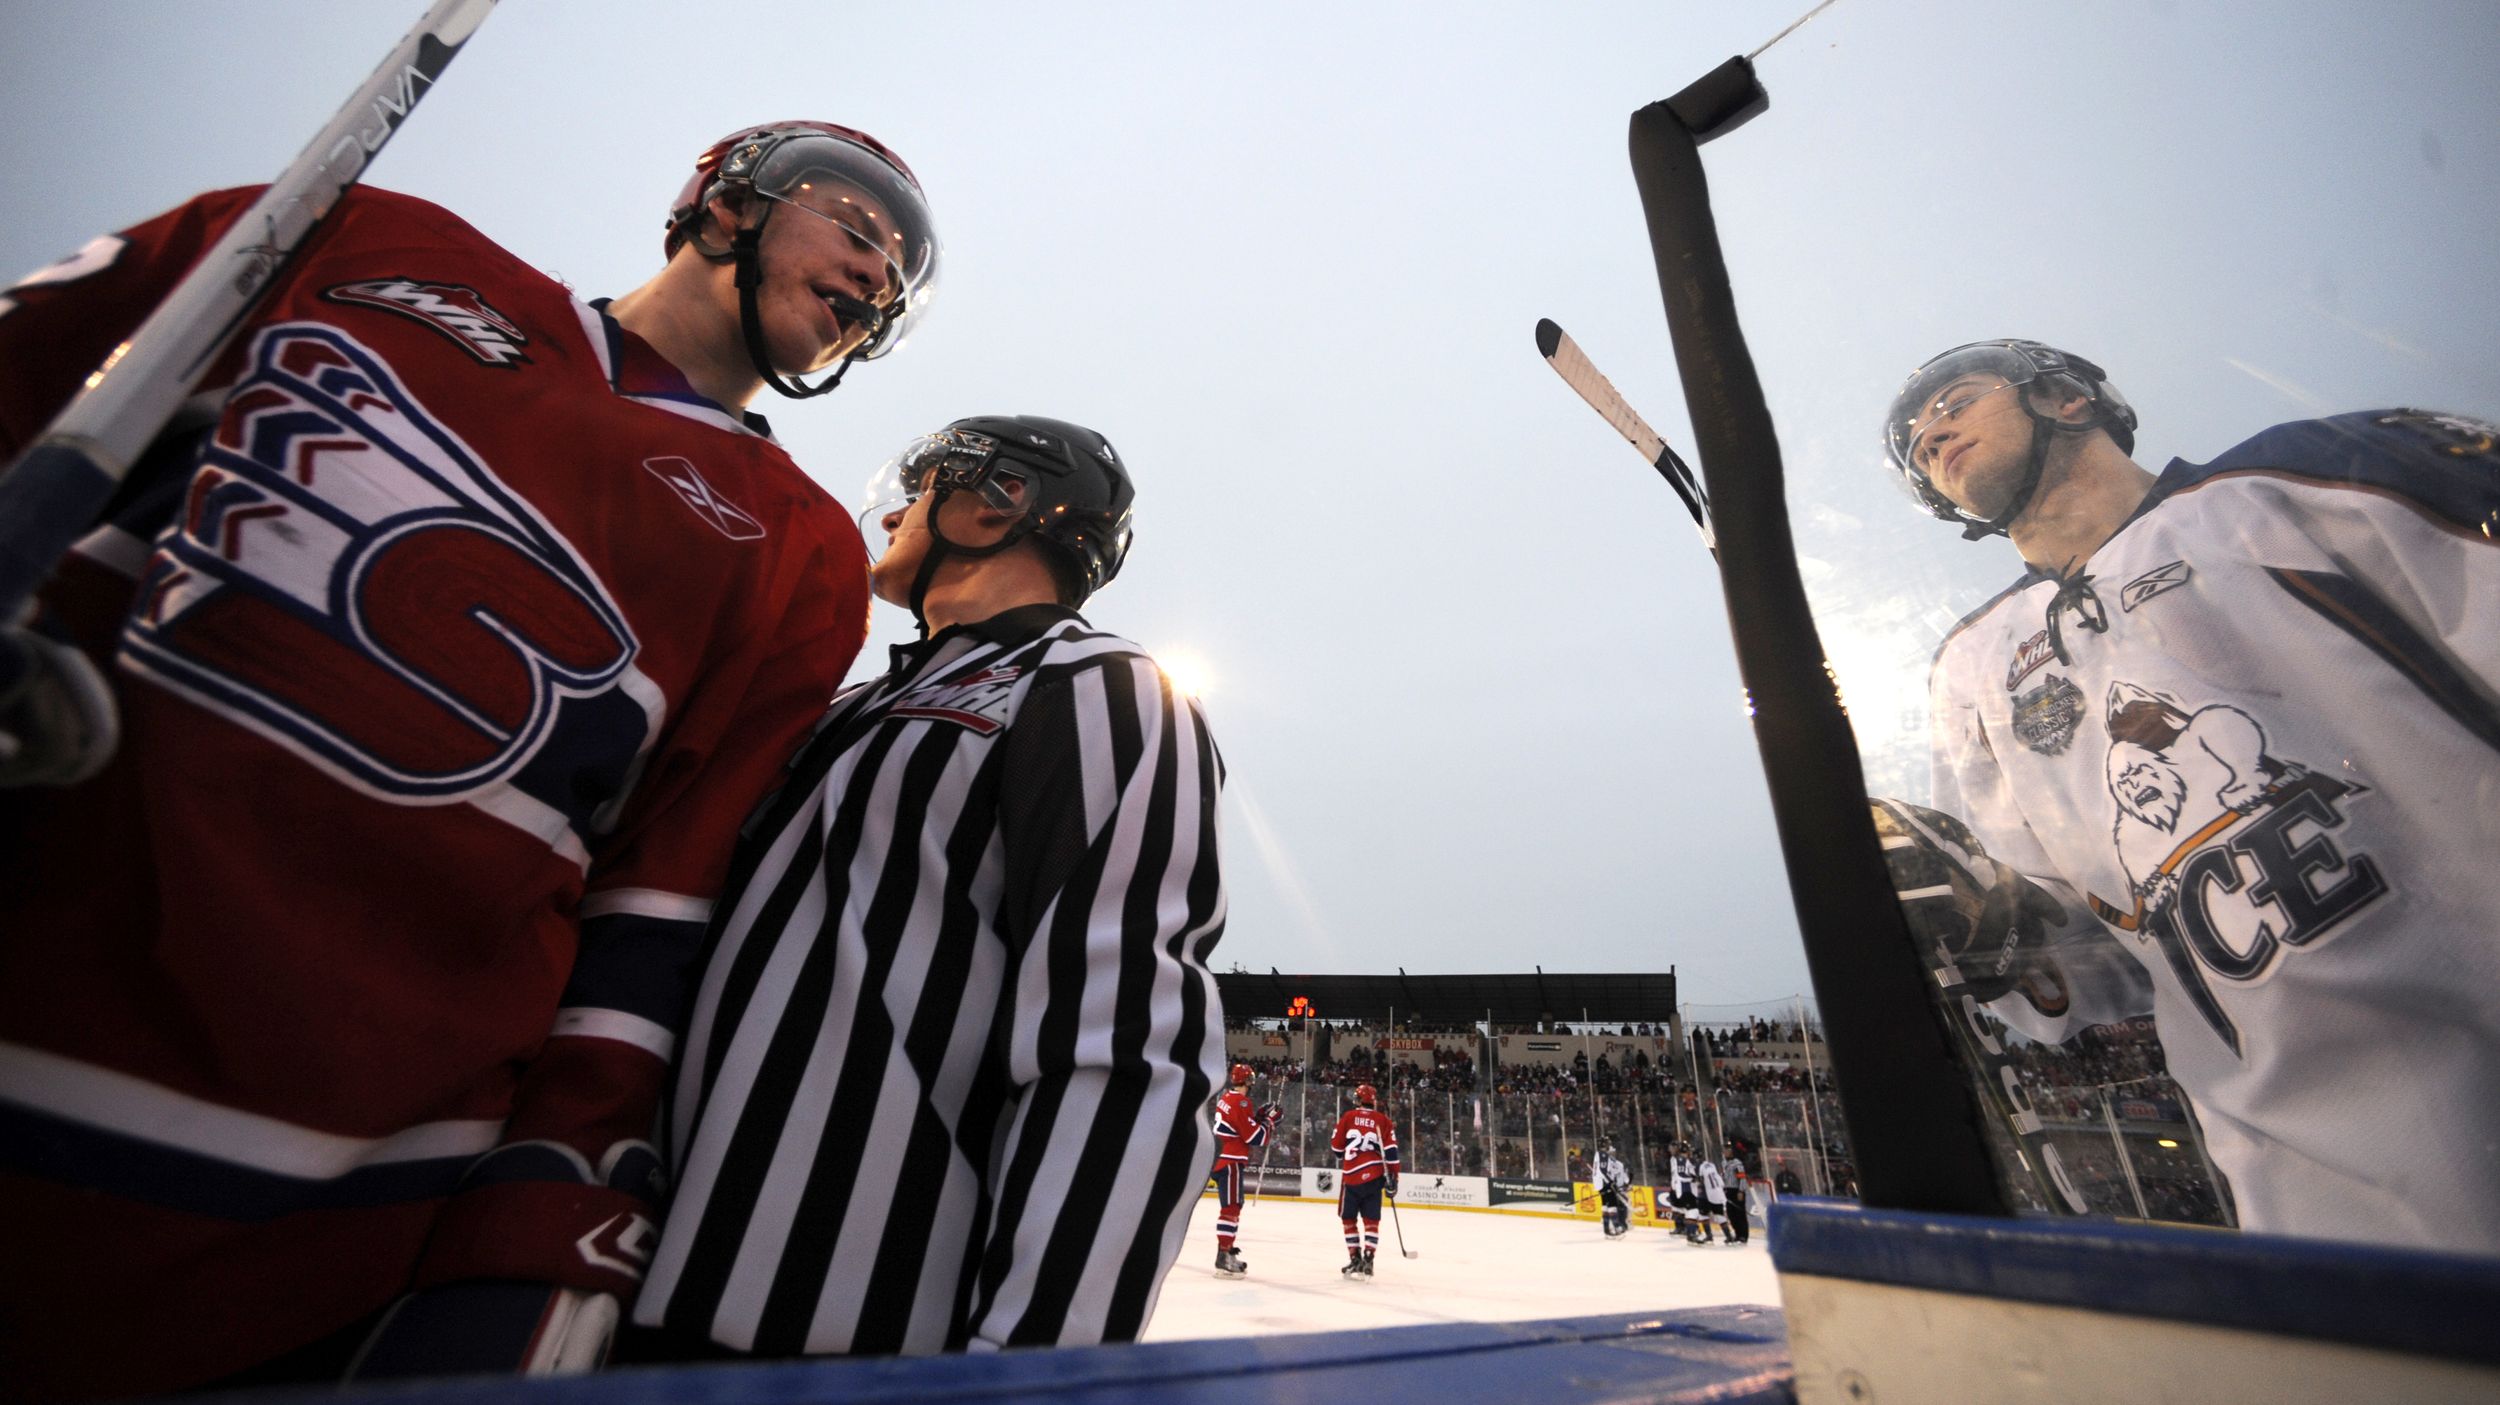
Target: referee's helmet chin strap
x,y
940,549
750,276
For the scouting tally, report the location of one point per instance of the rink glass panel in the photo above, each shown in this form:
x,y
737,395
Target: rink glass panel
x,y
2247,216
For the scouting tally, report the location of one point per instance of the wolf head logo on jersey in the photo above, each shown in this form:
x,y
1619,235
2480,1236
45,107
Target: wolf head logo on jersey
x,y
2227,849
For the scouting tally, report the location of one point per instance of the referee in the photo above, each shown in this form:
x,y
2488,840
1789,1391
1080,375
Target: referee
x,y
946,1078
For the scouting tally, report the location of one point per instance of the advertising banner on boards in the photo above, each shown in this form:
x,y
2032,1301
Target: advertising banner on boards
x,y
1417,1188
1510,1192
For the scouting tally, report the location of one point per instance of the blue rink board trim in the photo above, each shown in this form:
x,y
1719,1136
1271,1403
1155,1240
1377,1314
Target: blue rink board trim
x,y
1722,1355
2405,1300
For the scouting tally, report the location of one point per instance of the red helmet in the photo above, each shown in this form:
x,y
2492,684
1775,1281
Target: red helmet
x,y
1366,1094
1241,1076
780,159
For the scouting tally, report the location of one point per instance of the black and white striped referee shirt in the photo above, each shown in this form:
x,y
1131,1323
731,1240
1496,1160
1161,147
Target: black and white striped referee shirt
x,y
946,1080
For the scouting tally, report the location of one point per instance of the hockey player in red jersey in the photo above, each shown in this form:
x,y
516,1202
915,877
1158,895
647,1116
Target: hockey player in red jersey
x,y
1240,1128
444,647
1366,1143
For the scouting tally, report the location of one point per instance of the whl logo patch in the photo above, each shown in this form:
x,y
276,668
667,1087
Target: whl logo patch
x,y
458,312
983,701
726,517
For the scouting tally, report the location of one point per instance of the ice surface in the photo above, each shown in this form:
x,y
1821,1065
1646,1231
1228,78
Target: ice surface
x,y
1472,1267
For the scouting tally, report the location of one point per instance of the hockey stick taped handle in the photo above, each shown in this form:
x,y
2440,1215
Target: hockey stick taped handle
x,y
47,501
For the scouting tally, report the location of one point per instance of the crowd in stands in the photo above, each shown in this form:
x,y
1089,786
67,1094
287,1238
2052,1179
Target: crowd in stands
x,y
1763,1086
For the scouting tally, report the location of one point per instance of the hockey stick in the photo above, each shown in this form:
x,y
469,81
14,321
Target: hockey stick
x,y
53,494
1259,1191
1400,1227
1573,365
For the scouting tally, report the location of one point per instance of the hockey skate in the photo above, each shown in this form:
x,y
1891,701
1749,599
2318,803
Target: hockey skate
x,y
1353,1266
1367,1263
1230,1264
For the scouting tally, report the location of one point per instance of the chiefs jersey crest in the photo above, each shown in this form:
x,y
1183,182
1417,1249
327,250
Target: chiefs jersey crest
x,y
457,311
348,579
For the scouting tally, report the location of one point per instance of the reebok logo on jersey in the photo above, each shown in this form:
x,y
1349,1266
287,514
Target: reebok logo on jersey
x,y
457,312
2029,659
726,517
983,701
2152,583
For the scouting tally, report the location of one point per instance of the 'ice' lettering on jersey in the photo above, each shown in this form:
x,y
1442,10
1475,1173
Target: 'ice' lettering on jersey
x,y
346,578
2205,830
981,701
458,312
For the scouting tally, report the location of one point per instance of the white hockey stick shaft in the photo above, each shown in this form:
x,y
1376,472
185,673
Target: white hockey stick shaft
x,y
1573,365
53,493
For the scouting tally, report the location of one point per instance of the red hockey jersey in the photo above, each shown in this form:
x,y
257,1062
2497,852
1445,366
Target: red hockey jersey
x,y
453,640
1366,1142
1237,1127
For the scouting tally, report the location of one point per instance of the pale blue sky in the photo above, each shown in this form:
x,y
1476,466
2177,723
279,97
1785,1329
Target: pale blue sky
x,y
1468,667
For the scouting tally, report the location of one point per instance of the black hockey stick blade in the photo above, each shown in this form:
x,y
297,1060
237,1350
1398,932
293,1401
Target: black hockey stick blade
x,y
1573,365
1400,1226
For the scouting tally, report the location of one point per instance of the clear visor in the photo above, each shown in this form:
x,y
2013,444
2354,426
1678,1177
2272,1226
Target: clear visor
x,y
1942,391
852,187
954,458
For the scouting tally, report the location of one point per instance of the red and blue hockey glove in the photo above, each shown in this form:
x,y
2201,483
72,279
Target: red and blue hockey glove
x,y
491,1295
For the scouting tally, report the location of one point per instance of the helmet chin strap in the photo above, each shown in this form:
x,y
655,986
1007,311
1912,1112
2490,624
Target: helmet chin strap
x,y
743,248
940,548
2044,432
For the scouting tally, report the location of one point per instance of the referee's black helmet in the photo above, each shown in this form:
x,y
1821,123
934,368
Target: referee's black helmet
x,y
1075,493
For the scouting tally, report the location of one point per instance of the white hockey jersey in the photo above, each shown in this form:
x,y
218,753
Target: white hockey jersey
x,y
2257,737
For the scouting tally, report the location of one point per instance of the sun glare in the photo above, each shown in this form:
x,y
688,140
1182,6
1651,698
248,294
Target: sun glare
x,y
1187,671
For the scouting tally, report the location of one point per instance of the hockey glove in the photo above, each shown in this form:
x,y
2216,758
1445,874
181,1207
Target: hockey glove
x,y
1987,921
1269,1114
460,1329
1393,1187
58,721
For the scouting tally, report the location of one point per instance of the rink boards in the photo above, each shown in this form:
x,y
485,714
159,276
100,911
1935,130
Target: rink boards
x,y
1880,1305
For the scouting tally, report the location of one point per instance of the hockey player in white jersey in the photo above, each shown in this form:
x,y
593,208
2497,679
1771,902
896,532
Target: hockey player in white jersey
x,y
1684,1193
1713,1202
2241,723
1614,1191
